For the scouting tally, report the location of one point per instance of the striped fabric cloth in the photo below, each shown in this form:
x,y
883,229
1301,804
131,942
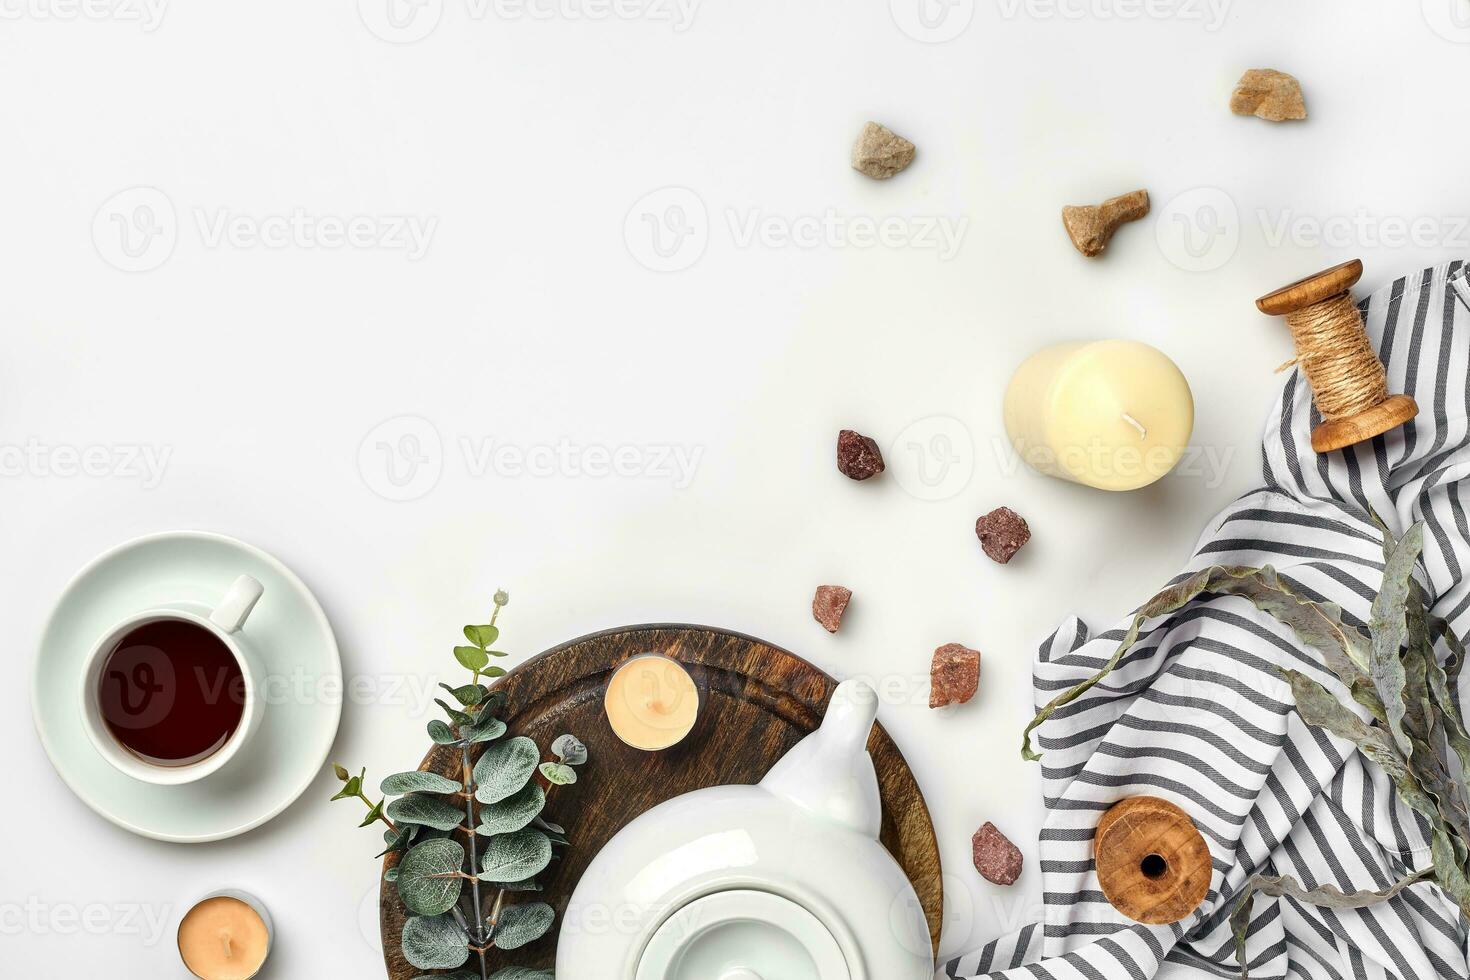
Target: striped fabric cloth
x,y
1198,715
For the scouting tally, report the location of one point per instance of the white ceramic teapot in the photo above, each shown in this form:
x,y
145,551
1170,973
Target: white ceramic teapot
x,y
781,881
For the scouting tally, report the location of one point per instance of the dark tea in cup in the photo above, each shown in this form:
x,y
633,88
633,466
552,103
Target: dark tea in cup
x,y
171,692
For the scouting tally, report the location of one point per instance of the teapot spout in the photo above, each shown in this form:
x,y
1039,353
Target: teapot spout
x,y
829,773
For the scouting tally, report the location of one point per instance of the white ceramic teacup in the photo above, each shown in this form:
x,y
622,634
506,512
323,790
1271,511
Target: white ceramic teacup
x,y
224,622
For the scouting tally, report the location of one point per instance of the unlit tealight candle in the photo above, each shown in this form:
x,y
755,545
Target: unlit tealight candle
x,y
651,702
225,937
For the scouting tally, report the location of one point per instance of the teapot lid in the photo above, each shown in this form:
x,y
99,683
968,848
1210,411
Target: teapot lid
x,y
743,935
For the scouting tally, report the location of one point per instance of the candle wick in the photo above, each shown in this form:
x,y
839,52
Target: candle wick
x,y
1142,432
225,938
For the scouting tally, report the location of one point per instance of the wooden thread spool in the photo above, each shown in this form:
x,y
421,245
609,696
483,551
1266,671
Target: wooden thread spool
x,y
1349,384
1153,865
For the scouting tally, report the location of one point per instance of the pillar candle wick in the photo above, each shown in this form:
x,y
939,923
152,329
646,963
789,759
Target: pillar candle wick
x,y
1142,432
225,938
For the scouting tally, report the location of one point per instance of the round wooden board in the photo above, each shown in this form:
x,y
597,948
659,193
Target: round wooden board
x,y
757,702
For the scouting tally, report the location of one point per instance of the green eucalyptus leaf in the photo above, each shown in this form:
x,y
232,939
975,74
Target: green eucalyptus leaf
x,y
512,857
373,815
454,714
351,789
430,811
493,671
1318,625
521,973
391,875
546,825
505,768
429,877
557,774
512,813
441,733
419,782
435,943
482,636
469,695
524,885
570,750
471,658
1389,628
396,839
487,729
523,924
458,975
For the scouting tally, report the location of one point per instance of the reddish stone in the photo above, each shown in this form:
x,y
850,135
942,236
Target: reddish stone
x,y
858,456
996,858
829,605
1002,533
954,676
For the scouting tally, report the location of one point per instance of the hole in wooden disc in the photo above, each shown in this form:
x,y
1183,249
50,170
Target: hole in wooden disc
x,y
1154,866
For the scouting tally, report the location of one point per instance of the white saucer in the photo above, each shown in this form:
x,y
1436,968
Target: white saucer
x,y
298,652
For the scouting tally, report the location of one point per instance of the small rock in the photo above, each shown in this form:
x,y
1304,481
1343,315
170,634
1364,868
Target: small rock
x,y
829,605
1091,227
996,858
954,677
1270,94
858,457
1002,533
880,153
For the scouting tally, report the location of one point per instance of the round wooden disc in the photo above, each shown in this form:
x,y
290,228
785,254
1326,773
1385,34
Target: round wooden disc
x,y
1389,414
1313,289
757,701
1153,865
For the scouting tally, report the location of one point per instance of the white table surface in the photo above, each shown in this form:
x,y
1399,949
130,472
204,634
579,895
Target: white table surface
x,y
526,146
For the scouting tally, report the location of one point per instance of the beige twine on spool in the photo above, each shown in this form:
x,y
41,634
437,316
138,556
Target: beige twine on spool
x,y
1332,347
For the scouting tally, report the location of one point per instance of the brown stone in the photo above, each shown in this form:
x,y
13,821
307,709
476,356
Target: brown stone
x,y
1091,226
1002,533
1269,94
996,858
858,457
829,605
880,153
954,676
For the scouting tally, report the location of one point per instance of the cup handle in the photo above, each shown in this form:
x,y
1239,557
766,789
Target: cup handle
x,y
232,612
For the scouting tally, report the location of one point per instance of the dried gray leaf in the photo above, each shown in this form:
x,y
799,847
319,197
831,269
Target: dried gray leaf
x,y
570,750
1389,628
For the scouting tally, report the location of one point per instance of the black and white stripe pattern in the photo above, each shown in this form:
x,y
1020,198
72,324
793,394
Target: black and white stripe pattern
x,y
1197,713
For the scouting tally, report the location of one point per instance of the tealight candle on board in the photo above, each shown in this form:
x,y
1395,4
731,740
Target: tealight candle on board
x,y
651,702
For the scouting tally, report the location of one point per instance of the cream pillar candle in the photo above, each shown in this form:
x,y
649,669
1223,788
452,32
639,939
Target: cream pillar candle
x,y
651,702
1113,414
227,936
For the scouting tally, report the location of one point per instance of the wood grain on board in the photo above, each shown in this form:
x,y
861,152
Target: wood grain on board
x,y
757,702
